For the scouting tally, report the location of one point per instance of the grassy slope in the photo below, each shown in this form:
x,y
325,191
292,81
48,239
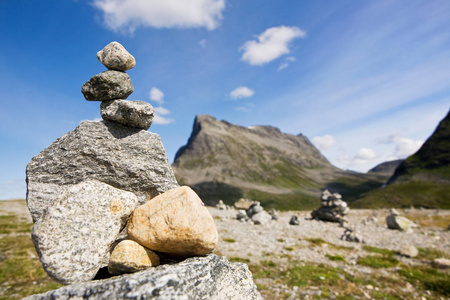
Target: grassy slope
x,y
21,273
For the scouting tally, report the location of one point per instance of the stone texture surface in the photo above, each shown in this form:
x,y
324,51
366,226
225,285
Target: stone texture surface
x,y
243,203
115,57
397,222
262,217
129,257
76,232
210,277
126,158
408,251
138,114
441,263
176,223
108,85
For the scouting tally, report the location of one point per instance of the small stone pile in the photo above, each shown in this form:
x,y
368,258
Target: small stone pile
x,y
113,86
397,222
332,209
351,234
256,214
90,183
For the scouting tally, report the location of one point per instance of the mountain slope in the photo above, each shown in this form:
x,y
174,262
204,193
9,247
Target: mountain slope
x,y
423,179
226,161
387,167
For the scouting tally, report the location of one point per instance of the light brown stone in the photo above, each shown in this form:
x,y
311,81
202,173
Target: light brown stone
x,y
129,257
175,222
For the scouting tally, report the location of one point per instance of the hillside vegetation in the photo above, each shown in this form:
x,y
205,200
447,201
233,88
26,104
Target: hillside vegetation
x,y
283,171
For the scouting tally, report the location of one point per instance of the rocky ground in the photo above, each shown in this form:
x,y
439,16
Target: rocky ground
x,y
308,261
278,252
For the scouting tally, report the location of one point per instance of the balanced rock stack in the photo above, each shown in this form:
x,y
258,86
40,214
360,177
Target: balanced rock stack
x,y
91,182
332,209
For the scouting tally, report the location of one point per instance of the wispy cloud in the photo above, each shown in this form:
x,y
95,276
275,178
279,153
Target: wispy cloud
x,y
270,45
202,43
156,95
324,142
404,147
130,14
241,92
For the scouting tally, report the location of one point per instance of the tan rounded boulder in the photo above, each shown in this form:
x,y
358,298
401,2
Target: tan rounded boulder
x,y
129,257
175,222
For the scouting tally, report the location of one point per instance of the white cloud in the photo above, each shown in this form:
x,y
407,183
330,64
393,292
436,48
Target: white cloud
x,y
161,110
366,154
404,147
131,14
202,43
162,120
360,161
324,142
158,116
241,92
156,95
270,45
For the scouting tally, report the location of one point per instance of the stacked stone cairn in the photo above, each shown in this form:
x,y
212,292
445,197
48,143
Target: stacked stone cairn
x,y
256,214
105,194
332,209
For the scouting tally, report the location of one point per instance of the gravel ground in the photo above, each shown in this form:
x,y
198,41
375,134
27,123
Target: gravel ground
x,y
277,240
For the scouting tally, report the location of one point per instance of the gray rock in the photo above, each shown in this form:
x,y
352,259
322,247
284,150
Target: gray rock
x,y
138,114
332,209
75,234
441,263
261,218
351,235
396,222
254,209
209,277
294,220
108,85
241,215
408,251
129,159
115,57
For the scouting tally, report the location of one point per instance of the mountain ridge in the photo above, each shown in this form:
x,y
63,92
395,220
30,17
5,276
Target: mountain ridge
x,y
226,161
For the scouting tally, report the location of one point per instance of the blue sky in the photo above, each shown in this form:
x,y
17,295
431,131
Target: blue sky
x,y
366,81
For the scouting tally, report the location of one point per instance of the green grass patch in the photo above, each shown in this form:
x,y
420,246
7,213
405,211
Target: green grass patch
x,y
280,240
10,224
428,278
430,254
335,257
228,240
382,251
316,241
377,261
239,259
406,194
21,273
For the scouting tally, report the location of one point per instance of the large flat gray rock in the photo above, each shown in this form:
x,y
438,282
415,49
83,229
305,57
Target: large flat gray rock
x,y
126,158
209,277
138,114
75,234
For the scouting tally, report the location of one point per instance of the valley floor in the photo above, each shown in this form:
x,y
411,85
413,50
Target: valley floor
x,y
310,260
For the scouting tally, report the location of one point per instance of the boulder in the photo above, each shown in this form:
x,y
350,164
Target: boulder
x,y
397,222
137,114
115,57
129,257
408,251
127,158
243,204
254,209
262,217
108,85
175,222
209,277
294,220
242,215
75,233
